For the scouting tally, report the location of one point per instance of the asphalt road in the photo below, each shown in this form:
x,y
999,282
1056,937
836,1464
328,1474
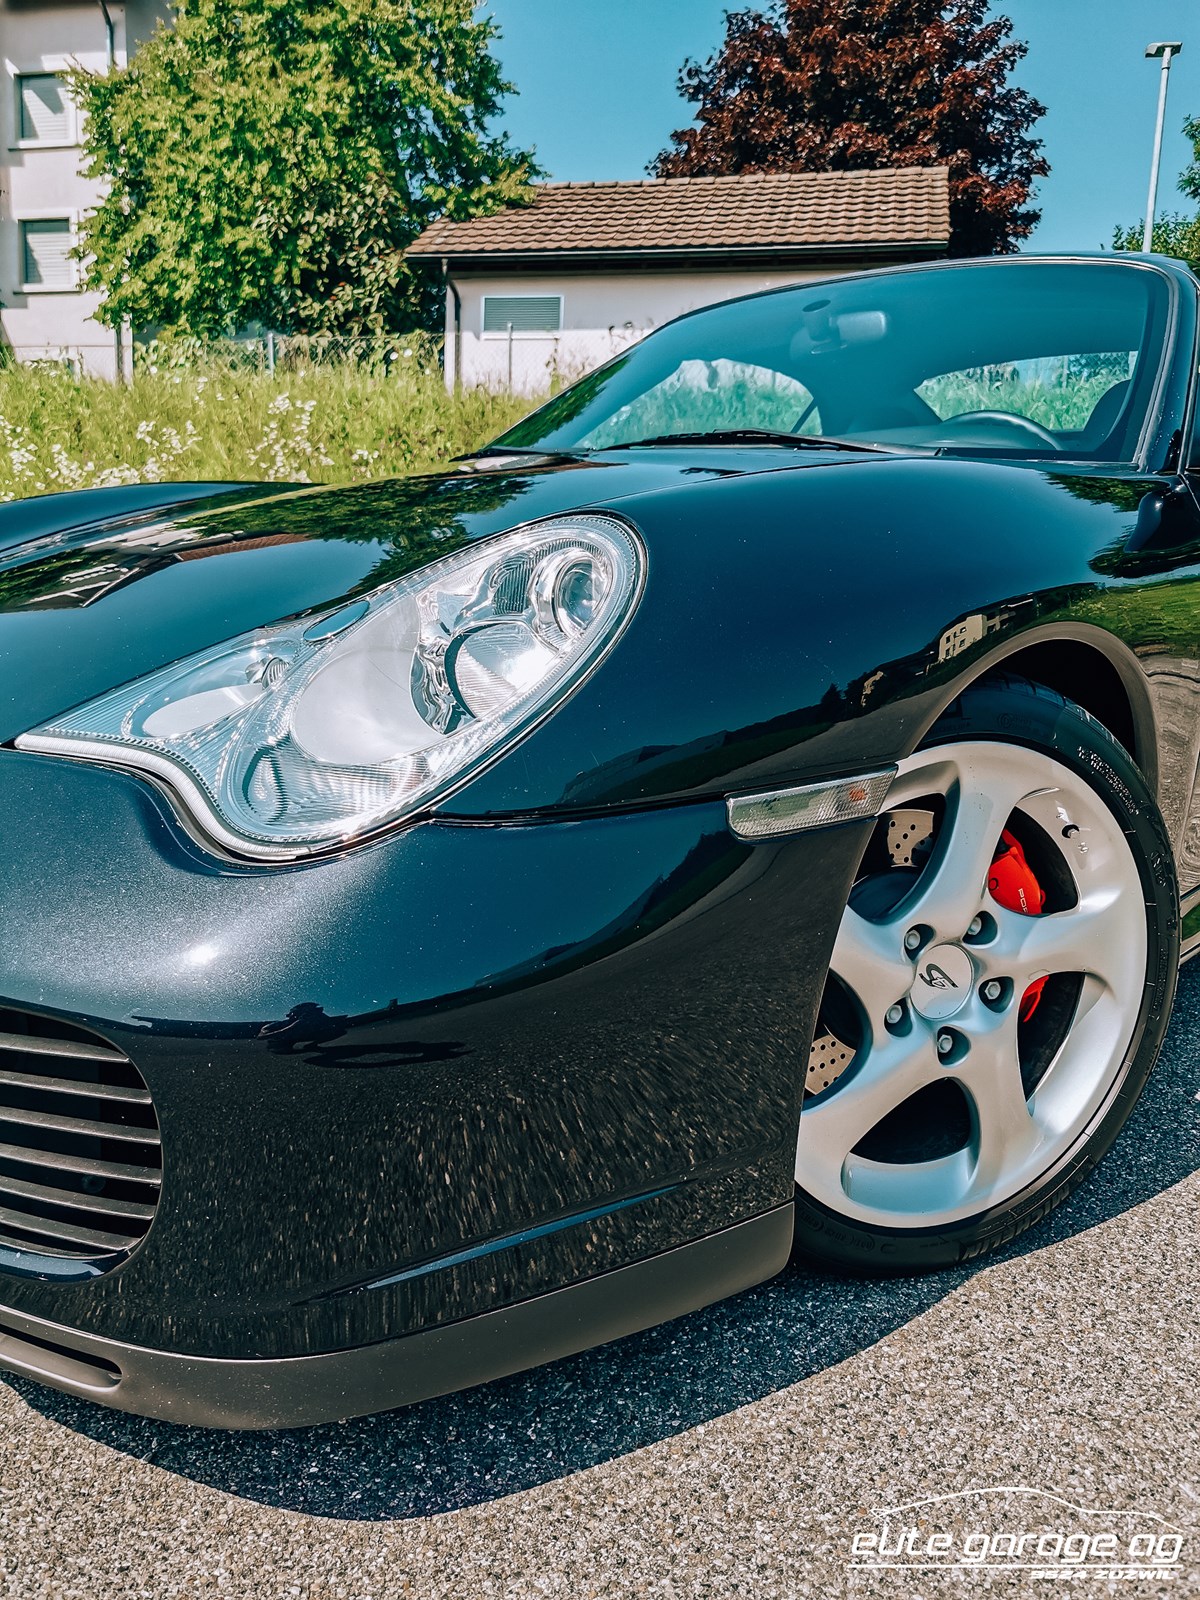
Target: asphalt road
x,y
736,1452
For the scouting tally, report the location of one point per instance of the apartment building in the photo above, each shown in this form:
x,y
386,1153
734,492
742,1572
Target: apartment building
x,y
44,311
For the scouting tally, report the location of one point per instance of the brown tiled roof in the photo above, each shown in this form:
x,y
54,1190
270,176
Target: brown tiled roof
x,y
755,212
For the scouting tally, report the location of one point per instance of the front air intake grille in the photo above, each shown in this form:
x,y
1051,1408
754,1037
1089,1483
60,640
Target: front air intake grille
x,y
80,1153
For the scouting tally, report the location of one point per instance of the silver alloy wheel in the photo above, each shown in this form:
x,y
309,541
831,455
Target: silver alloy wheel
x,y
938,985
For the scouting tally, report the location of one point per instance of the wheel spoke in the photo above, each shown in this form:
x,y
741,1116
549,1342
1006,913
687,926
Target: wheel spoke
x,y
1090,995
869,959
1089,938
1005,1133
893,1070
953,886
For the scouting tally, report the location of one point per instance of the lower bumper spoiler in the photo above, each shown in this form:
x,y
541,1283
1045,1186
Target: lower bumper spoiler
x,y
299,1391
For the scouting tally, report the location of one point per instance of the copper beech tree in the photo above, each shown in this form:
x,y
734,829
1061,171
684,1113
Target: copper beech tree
x,y
836,85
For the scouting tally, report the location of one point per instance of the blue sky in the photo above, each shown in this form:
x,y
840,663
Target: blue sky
x,y
597,94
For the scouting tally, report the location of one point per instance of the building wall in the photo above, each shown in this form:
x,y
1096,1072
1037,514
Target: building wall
x,y
42,180
601,314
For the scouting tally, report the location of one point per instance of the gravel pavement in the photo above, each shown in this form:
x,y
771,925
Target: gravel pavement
x,y
736,1452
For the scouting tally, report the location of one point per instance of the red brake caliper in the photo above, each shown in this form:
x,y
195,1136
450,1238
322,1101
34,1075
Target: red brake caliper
x,y
1013,885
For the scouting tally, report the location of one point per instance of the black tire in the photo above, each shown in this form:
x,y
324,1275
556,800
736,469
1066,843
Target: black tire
x,y
1013,710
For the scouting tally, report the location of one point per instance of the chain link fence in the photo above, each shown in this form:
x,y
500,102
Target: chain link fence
x,y
274,354
529,365
283,354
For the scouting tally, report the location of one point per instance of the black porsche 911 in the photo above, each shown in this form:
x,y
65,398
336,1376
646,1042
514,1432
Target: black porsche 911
x,y
450,922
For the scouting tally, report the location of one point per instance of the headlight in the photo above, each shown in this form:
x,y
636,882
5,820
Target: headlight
x,y
301,736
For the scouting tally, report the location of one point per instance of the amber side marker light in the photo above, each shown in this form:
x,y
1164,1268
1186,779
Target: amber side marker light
x,y
778,812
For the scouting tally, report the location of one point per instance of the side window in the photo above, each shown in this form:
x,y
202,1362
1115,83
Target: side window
x,y
702,396
1082,394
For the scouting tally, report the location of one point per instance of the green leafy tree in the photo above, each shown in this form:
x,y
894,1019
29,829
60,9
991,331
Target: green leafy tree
x,y
1189,178
268,162
1174,235
834,85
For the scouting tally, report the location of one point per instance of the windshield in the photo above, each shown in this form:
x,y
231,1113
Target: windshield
x,y
1007,357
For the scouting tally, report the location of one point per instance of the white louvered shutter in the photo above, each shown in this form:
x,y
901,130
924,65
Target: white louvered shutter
x,y
527,313
45,250
45,111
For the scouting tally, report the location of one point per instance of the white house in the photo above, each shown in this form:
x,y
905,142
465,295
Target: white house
x,y
555,287
45,313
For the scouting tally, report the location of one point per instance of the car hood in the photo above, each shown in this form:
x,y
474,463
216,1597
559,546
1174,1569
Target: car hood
x,y
87,607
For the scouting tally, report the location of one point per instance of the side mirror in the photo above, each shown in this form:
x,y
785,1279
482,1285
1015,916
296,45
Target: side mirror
x,y
1166,518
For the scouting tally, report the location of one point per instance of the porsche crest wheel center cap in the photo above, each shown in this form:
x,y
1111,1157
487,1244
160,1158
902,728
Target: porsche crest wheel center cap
x,y
942,986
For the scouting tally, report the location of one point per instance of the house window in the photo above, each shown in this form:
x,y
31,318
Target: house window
x,y
524,313
44,111
46,246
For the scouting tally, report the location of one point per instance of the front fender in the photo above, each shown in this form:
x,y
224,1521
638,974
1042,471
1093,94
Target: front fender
x,y
808,623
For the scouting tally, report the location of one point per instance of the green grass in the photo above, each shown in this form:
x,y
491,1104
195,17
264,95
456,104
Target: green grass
x,y
730,402
1058,398
333,423
205,416
1061,406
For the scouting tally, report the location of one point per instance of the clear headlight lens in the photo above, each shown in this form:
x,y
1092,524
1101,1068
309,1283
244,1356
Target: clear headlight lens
x,y
301,736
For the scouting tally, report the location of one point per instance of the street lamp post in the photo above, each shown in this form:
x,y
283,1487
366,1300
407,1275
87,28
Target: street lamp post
x,y
1167,51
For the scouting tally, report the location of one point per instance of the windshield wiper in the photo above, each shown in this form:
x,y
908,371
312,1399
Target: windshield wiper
x,y
517,450
796,441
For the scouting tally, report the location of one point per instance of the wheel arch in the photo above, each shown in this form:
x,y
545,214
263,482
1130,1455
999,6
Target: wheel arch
x,y
1089,666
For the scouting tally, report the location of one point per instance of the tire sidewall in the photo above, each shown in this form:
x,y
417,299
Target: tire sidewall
x,y
1018,712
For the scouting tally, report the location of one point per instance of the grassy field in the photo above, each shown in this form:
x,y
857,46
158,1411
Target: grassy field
x,y
316,421
1058,401
325,424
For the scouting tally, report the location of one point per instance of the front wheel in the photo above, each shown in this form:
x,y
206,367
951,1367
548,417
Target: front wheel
x,y
999,988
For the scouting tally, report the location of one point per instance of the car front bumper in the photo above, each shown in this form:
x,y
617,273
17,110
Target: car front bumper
x,y
412,1096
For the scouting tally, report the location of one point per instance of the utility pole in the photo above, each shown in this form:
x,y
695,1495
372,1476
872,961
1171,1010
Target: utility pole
x,y
1167,52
